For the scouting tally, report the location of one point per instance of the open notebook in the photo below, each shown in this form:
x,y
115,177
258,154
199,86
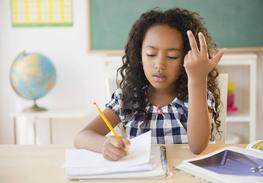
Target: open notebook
x,y
142,161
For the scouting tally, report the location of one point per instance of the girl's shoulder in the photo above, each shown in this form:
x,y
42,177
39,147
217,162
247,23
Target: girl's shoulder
x,y
116,99
115,102
179,103
117,94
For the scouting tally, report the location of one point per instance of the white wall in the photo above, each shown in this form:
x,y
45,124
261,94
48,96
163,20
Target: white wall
x,y
80,76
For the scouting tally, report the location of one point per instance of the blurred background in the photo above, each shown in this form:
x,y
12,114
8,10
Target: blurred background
x,y
83,41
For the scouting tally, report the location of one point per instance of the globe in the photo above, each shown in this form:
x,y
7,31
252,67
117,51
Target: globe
x,y
32,76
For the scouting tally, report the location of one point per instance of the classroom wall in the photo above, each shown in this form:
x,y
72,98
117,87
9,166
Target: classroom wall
x,y
80,75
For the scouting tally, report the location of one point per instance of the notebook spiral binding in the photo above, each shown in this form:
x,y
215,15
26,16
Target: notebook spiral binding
x,y
164,160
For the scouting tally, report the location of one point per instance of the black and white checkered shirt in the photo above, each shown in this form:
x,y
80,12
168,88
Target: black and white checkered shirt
x,y
168,124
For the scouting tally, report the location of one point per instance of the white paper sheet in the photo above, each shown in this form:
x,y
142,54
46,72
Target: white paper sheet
x,y
90,162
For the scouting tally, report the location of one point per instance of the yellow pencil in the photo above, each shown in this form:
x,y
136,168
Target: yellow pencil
x,y
107,122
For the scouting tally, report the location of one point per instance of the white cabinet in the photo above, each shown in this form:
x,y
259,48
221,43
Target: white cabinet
x,y
242,70
28,126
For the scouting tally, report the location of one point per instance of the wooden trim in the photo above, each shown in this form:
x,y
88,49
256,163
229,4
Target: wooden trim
x,y
89,37
107,52
227,50
244,50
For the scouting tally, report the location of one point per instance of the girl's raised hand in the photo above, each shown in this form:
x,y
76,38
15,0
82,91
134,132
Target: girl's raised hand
x,y
113,149
196,62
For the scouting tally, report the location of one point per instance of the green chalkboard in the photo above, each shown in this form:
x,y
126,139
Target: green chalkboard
x,y
232,23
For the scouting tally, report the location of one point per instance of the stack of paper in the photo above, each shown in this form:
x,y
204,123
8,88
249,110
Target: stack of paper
x,y
141,161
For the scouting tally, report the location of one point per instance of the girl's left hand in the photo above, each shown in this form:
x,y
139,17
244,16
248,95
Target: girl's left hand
x,y
196,62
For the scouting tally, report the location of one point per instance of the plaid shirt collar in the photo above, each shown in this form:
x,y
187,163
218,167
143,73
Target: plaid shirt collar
x,y
175,103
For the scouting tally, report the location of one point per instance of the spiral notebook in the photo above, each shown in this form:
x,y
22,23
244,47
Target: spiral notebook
x,y
143,161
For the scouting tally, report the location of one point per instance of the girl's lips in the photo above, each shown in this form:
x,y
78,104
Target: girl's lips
x,y
159,78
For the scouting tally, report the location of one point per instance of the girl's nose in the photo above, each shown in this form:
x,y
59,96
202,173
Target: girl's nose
x,y
160,65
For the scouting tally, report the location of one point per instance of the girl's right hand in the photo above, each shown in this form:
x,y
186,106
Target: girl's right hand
x,y
113,149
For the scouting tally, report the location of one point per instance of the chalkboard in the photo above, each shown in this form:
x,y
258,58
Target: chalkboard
x,y
232,23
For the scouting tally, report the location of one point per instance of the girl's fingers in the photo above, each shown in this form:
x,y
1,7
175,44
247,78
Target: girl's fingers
x,y
127,143
185,60
106,156
192,42
203,45
115,153
114,149
111,157
119,151
116,142
215,60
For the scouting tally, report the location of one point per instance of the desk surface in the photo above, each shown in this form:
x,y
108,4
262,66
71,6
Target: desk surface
x,y
43,163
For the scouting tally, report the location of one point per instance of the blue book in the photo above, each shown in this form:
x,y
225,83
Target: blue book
x,y
230,164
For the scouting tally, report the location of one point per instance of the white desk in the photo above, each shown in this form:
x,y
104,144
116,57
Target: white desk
x,y
50,115
42,163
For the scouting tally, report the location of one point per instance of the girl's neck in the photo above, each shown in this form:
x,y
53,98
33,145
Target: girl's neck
x,y
161,97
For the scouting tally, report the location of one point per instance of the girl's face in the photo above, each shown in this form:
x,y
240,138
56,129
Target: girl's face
x,y
162,57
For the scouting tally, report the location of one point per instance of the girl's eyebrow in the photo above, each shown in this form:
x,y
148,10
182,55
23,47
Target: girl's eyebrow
x,y
151,47
169,49
174,49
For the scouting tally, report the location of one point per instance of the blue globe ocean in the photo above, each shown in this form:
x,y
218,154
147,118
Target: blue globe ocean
x,y
32,75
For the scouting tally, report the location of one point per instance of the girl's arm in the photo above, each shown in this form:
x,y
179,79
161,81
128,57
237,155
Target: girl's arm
x,y
198,65
199,119
93,135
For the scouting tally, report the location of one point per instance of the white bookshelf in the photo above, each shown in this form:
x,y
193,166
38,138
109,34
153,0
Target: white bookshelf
x,y
238,118
247,115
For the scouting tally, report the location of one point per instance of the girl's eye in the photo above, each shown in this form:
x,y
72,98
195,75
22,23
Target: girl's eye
x,y
150,55
172,58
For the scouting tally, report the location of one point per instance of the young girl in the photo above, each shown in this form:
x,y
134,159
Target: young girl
x,y
168,86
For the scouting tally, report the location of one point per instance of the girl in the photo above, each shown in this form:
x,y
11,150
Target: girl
x,y
168,86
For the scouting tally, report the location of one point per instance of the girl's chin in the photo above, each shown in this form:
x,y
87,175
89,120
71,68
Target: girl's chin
x,y
159,85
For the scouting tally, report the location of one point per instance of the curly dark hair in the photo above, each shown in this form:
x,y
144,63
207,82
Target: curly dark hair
x,y
134,83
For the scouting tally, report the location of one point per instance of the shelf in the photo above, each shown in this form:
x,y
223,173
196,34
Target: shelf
x,y
53,113
238,60
233,118
49,117
249,115
244,50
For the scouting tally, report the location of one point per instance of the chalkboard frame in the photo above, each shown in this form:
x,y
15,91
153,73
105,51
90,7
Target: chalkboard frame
x,y
121,51
89,40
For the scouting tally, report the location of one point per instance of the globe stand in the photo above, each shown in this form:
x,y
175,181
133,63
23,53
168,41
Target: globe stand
x,y
35,108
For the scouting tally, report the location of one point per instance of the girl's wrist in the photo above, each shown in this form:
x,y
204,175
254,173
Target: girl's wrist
x,y
197,81
104,144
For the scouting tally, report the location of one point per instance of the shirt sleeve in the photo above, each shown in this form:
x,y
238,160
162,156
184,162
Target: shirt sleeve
x,y
115,102
211,102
